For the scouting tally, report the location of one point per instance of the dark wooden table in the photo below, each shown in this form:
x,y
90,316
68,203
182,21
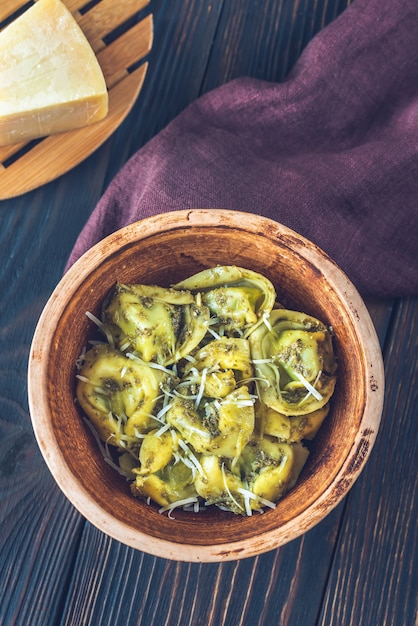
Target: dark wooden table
x,y
357,567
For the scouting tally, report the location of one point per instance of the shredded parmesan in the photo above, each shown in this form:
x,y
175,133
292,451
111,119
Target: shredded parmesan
x,y
178,504
266,321
183,396
191,456
247,497
201,388
163,411
83,379
187,463
312,391
214,333
104,449
259,361
227,488
162,430
80,361
95,319
252,496
151,364
198,431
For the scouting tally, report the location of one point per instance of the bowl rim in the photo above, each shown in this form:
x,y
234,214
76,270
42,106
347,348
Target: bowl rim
x,y
350,467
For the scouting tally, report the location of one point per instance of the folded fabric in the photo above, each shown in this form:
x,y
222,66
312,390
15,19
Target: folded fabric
x,y
331,152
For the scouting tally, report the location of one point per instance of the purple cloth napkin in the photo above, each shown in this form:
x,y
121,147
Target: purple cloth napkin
x,y
331,152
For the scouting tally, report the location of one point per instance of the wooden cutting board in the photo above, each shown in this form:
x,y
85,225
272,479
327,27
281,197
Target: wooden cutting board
x,y
26,166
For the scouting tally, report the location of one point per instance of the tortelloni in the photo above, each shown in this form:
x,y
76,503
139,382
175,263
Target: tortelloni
x,y
207,393
157,324
238,298
215,427
119,395
295,362
220,365
266,470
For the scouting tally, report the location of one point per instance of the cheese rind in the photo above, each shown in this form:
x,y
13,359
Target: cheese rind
x,y
50,79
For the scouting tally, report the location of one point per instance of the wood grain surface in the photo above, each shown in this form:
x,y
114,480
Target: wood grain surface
x,y
358,567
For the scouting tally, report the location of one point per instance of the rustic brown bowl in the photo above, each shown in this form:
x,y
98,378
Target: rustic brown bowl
x,y
162,250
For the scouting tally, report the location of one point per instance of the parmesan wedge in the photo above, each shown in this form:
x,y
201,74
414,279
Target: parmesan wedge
x,y
50,79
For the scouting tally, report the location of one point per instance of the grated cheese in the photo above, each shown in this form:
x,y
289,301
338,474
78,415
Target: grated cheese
x,y
151,364
191,456
227,488
312,391
83,379
95,319
104,449
176,505
214,333
252,496
162,430
201,388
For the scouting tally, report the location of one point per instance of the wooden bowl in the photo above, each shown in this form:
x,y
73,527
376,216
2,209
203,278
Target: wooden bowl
x,y
163,250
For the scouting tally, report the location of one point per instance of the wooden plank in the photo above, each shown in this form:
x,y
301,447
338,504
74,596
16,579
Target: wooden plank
x,y
7,151
286,29
373,547
254,591
183,40
127,50
45,532
105,16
